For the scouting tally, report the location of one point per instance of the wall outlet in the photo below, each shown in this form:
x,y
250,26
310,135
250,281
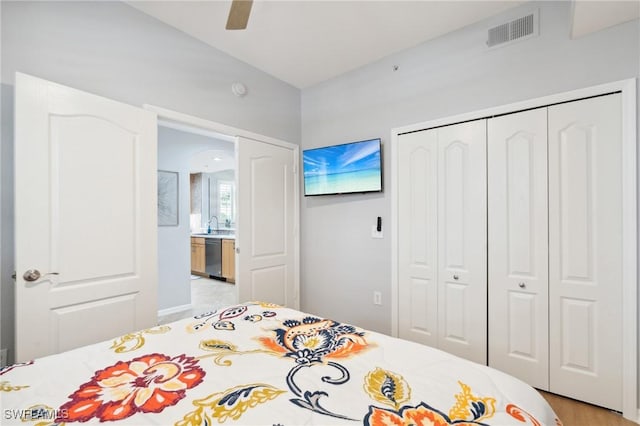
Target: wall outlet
x,y
3,357
377,298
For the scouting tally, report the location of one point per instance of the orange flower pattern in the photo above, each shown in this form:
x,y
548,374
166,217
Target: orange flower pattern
x,y
392,389
147,384
313,340
420,415
316,356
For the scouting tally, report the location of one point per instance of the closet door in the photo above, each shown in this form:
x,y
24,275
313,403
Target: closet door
x,y
585,250
518,245
462,240
417,237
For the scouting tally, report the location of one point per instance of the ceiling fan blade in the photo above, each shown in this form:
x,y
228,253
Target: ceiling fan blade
x,y
239,14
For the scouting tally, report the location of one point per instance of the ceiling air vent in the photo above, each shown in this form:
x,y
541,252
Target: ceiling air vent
x,y
518,29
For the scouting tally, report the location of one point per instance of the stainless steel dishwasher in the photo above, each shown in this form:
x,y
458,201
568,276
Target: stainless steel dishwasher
x,y
213,254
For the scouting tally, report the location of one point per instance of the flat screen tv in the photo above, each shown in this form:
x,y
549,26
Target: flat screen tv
x,y
343,169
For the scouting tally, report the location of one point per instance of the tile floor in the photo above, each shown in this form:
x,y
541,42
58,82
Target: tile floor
x,y
206,295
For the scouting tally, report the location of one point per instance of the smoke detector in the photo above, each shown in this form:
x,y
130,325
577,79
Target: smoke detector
x,y
239,89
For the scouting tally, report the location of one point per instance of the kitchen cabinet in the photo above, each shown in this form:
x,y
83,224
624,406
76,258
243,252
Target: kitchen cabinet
x,y
229,260
197,256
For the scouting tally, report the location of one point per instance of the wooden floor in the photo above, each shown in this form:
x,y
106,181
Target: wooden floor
x,y
576,413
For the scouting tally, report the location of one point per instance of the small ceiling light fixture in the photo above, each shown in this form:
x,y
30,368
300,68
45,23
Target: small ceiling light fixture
x,y
239,89
217,159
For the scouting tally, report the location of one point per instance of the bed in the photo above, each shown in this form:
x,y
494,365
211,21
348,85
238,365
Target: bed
x,y
262,364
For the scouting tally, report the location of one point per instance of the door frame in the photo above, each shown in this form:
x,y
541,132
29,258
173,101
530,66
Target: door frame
x,y
226,132
630,319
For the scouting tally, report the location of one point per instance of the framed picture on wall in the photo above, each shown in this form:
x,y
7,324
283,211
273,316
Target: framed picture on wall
x,y
167,198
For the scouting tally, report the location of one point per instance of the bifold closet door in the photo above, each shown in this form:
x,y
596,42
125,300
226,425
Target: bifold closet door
x,y
518,245
585,250
418,237
462,240
442,242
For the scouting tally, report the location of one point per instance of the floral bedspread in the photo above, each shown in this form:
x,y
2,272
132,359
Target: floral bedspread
x,y
261,364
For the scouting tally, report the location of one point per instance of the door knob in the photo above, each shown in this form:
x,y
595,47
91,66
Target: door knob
x,y
34,275
522,285
455,277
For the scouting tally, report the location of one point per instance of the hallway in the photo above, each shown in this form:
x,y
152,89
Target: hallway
x,y
206,295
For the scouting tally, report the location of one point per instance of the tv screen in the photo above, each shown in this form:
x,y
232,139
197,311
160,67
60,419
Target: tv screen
x,y
343,169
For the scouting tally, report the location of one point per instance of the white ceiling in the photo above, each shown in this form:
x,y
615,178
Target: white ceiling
x,y
213,160
305,42
218,156
591,16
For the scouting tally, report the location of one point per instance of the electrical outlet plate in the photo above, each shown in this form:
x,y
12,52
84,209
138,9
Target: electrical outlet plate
x,y
3,357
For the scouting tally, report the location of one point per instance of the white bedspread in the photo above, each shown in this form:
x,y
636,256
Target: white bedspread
x,y
261,364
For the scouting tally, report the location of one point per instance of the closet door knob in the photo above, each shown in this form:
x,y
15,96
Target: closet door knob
x,y
521,285
455,277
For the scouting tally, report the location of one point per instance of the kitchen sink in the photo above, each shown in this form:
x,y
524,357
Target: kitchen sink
x,y
224,232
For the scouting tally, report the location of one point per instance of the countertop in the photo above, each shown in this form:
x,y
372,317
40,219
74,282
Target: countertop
x,y
216,236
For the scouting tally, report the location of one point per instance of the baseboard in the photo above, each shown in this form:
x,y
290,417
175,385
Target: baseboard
x,y
174,309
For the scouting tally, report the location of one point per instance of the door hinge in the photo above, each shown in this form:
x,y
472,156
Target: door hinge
x,y
14,276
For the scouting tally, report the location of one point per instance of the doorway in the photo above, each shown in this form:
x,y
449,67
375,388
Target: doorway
x,y
267,212
196,206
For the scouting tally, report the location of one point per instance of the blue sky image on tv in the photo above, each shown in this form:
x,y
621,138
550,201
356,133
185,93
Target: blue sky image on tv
x,y
340,169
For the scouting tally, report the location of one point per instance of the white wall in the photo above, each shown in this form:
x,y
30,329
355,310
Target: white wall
x,y
175,150
341,264
113,50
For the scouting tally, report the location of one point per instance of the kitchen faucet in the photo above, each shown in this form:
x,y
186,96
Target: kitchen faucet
x,y
209,224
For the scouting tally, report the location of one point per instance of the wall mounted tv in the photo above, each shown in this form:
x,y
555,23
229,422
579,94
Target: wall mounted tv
x,y
343,169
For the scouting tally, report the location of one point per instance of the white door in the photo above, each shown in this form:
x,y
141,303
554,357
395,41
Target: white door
x,y
462,240
442,239
85,218
518,245
267,248
417,237
585,250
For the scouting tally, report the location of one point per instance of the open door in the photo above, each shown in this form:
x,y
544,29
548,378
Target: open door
x,y
267,241
85,218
